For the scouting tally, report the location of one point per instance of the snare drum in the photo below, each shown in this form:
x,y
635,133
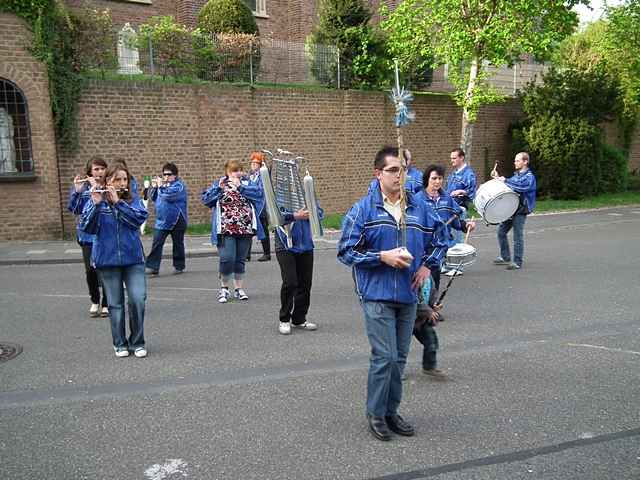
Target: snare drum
x,y
496,202
461,254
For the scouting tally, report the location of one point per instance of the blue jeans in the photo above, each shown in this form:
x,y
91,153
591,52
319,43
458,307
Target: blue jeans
x,y
459,235
177,238
114,279
517,223
389,328
233,253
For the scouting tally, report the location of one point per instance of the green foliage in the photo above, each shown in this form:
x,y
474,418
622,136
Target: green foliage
x,y
227,16
567,156
470,34
29,10
94,40
575,94
615,169
344,24
172,45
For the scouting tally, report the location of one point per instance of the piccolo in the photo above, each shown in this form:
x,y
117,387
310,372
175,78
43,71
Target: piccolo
x,y
82,180
104,190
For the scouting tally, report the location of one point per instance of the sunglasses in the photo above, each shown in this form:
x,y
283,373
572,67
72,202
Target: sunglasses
x,y
167,174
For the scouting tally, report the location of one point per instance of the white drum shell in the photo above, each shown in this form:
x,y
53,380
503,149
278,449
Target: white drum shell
x,y
460,254
496,202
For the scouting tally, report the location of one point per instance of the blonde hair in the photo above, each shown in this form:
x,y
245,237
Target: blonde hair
x,y
232,166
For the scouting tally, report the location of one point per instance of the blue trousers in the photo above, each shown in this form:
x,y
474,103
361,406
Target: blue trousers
x,y
517,223
389,328
177,238
233,254
114,279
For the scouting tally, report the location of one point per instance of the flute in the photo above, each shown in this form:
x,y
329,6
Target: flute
x,y
82,180
104,190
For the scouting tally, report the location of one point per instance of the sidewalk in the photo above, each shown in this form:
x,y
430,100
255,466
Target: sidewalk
x,y
67,251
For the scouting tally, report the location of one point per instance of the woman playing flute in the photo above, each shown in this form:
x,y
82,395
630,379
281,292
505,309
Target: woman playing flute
x,y
79,195
114,217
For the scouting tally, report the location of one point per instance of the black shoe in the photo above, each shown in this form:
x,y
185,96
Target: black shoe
x,y
151,271
378,428
398,425
264,258
248,259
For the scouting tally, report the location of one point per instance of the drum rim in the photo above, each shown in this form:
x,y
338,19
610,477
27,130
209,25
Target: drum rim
x,y
497,197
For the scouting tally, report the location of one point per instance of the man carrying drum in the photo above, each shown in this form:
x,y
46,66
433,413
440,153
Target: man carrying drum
x,y
523,182
461,186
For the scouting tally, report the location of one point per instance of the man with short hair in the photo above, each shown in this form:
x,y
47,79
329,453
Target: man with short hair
x,y
170,196
523,182
387,275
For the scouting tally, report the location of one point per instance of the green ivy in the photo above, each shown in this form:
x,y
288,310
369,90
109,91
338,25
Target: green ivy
x,y
53,44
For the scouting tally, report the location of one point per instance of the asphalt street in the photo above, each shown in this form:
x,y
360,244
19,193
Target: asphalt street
x,y
543,365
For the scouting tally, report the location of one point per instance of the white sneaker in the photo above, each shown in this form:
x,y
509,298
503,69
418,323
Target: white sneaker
x,y
306,326
121,352
140,352
240,294
104,312
285,328
94,310
223,295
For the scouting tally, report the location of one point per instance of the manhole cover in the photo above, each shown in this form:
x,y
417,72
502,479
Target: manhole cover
x,y
9,351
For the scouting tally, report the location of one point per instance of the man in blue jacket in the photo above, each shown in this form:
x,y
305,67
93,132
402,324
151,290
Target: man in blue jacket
x,y
387,275
170,196
523,182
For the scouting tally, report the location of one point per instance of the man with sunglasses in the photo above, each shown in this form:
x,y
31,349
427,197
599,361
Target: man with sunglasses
x,y
387,275
170,196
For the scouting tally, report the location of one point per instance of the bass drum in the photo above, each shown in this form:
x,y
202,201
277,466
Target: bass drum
x,y
496,202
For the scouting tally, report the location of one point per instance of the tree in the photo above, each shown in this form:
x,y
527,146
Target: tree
x,y
342,24
469,35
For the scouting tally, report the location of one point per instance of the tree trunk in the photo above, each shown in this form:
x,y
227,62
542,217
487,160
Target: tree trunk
x,y
466,135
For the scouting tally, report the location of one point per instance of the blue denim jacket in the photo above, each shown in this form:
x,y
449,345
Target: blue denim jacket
x,y
525,185
465,179
117,232
368,229
77,201
251,190
171,202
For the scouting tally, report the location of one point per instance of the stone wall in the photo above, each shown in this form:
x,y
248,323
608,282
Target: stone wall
x,y
30,210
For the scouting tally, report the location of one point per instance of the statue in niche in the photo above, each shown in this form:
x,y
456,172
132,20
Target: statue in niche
x,y
7,145
128,56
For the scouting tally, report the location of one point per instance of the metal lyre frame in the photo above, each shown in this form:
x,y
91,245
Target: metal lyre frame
x,y
285,191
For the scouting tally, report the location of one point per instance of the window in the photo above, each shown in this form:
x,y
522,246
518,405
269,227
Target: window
x,y
15,135
258,7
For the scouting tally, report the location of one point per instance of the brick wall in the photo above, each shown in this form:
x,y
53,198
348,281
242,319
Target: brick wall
x,y
200,127
132,12
29,210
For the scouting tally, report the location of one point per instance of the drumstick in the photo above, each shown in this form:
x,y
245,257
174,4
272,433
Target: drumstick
x,y
466,237
444,292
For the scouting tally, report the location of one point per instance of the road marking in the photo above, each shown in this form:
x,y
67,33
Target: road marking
x,y
600,347
171,467
73,250
615,214
36,252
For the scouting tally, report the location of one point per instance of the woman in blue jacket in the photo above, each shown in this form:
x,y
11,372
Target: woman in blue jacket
x,y
114,216
235,202
78,197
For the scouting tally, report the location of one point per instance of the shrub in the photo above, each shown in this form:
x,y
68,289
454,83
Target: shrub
x,y
567,156
614,168
227,56
172,44
94,40
227,16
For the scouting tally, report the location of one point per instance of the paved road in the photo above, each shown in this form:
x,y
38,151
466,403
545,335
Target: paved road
x,y
544,366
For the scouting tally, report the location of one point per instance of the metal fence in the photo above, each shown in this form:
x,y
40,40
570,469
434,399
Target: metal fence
x,y
269,61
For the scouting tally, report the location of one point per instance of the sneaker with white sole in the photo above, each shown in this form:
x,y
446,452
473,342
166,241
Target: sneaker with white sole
x,y
94,310
513,266
140,352
306,326
501,261
104,312
121,351
223,295
240,294
284,328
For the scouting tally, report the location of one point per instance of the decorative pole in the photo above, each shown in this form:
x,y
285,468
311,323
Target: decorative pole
x,y
401,98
